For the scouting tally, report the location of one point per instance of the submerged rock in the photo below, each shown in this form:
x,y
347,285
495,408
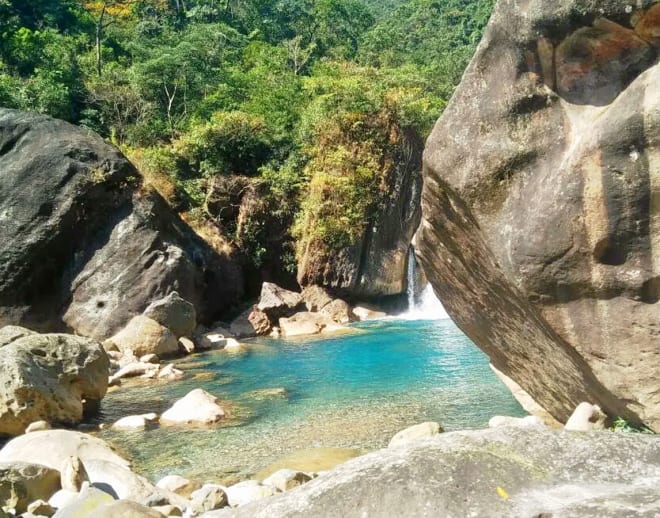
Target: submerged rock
x,y
540,204
269,393
499,472
50,377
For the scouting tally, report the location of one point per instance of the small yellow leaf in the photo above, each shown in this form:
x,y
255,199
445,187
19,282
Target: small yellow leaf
x,y
503,494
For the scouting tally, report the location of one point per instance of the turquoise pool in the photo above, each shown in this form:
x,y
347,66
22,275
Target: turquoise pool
x,y
348,391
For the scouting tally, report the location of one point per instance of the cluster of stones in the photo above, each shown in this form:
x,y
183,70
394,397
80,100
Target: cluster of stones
x,y
84,475
281,312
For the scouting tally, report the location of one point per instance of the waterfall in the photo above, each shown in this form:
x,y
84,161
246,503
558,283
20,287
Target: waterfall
x,y
424,305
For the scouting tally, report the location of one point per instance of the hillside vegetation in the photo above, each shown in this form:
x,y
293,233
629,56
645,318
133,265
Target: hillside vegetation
x,y
265,123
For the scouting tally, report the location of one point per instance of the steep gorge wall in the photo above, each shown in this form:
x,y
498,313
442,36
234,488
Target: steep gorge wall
x,y
541,203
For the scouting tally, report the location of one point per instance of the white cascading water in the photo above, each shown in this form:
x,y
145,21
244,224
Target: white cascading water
x,y
423,306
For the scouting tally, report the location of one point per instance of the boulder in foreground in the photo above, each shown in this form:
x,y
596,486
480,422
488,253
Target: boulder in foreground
x,y
499,472
52,377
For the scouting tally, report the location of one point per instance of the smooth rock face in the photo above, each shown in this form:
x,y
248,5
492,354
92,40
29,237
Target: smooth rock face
x,y
541,473
112,246
37,448
143,335
196,407
541,204
22,483
174,313
47,377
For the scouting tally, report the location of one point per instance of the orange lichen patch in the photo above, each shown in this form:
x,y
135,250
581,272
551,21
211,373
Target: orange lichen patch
x,y
596,63
648,26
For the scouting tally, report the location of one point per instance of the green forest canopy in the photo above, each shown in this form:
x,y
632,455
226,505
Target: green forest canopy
x,y
268,89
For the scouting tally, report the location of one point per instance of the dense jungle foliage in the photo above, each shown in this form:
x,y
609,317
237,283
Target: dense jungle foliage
x,y
300,98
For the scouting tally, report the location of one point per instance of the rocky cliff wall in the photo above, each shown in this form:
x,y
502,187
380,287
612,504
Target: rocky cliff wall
x,y
83,245
375,265
541,203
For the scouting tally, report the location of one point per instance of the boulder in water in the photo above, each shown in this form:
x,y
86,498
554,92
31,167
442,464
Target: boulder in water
x,y
197,407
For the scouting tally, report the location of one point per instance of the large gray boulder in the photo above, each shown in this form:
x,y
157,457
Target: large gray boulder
x,y
501,472
540,229
50,377
83,244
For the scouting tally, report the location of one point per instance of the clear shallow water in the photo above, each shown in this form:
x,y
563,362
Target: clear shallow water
x,y
348,391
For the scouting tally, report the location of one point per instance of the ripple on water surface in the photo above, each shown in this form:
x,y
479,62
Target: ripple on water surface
x,y
349,391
